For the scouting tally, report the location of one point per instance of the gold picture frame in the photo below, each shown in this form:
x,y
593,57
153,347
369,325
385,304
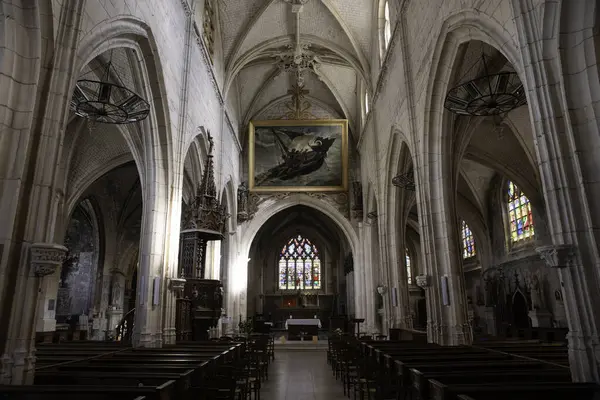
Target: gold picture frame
x,y
286,148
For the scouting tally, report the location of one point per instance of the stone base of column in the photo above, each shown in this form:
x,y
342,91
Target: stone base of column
x,y
584,357
23,367
461,335
540,319
6,371
169,336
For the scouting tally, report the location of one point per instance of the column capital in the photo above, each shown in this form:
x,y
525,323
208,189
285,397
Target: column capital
x,y
46,258
557,256
423,281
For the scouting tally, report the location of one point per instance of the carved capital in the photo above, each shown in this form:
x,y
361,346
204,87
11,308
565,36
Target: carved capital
x,y
46,258
423,281
557,256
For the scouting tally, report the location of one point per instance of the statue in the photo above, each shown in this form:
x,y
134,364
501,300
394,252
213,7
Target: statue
x,y
357,193
219,298
536,294
242,199
116,293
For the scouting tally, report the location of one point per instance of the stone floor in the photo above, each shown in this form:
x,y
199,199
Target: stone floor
x,y
301,375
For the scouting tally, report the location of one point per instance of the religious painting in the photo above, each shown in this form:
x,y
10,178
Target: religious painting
x,y
298,156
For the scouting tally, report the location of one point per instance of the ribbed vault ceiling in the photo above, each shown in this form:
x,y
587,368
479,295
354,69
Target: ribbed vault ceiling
x,y
257,34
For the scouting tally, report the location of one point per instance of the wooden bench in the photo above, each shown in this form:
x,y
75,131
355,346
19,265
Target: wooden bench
x,y
420,384
183,381
165,391
514,391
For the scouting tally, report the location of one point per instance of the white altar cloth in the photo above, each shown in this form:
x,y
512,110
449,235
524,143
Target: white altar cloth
x,y
313,321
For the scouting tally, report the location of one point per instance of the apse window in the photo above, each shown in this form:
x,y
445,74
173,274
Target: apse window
x,y
468,241
408,267
387,27
520,217
366,103
299,265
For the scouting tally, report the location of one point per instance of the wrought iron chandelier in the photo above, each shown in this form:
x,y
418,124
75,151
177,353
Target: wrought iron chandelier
x,y
487,95
405,181
101,101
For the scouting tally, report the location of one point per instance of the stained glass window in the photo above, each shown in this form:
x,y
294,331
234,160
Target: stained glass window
x,y
468,241
299,265
387,27
408,269
519,214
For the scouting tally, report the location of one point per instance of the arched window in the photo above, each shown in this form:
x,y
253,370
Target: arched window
x,y
408,267
366,103
519,214
299,265
468,241
387,27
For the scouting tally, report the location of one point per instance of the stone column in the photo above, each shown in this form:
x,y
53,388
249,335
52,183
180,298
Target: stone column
x,y
584,344
45,260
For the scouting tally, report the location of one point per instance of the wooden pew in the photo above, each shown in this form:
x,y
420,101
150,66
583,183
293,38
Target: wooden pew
x,y
165,391
186,365
183,381
420,384
514,391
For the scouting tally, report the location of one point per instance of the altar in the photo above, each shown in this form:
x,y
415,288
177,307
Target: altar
x,y
298,327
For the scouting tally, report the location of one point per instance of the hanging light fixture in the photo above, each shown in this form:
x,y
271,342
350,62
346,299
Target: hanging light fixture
x,y
101,101
487,95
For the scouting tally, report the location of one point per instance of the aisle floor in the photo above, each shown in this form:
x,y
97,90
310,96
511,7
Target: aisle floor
x,y
301,375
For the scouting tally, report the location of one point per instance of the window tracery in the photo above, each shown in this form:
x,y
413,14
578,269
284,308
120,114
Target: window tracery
x,y
387,27
408,267
299,265
468,241
520,218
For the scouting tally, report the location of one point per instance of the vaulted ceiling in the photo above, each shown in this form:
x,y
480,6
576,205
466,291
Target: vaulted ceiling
x,y
260,39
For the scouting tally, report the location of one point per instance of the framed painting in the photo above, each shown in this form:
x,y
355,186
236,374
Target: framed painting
x,y
298,156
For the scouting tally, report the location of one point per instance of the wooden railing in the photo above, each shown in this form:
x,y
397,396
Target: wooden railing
x,y
125,327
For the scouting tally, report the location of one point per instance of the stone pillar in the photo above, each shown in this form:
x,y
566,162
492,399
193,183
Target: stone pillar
x,y
45,260
584,344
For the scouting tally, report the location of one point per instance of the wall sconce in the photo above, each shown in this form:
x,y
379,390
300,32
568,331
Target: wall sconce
x,y
381,289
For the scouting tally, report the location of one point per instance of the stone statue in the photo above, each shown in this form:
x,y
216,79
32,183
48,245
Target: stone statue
x,y
116,293
536,294
242,199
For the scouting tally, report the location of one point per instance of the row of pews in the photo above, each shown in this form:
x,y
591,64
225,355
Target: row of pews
x,y
106,370
391,370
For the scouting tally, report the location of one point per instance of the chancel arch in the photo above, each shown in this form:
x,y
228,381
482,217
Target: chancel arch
x,y
296,267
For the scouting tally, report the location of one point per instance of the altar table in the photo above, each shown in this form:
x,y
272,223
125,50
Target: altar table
x,y
304,322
